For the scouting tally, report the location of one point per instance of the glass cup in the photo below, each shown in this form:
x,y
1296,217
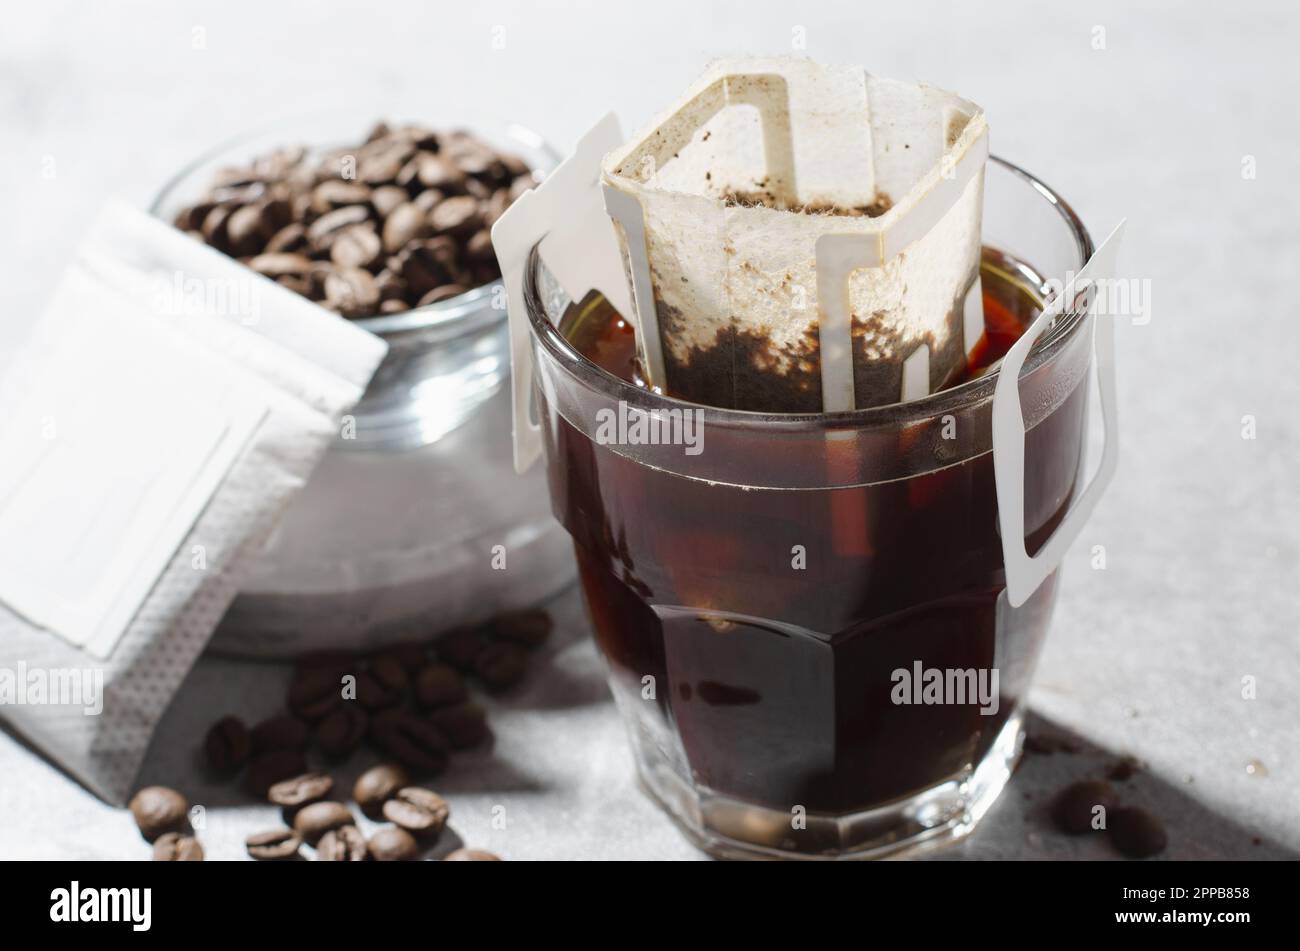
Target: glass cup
x,y
774,593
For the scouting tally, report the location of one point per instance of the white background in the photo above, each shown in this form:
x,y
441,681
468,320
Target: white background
x,y
1200,527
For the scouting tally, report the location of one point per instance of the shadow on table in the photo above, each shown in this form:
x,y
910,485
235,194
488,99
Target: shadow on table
x,y
1019,826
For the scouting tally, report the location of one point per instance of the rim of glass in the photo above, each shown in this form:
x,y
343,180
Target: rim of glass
x,y
936,403
441,314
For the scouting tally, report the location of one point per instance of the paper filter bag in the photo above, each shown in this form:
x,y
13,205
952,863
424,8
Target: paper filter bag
x,y
802,238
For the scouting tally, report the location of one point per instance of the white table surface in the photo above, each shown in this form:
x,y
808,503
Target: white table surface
x,y
1201,527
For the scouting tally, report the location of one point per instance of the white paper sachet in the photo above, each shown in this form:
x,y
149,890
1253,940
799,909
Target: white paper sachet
x,y
802,237
162,413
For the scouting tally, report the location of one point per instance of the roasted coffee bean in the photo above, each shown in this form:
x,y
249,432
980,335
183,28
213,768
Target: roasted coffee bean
x,y
403,225
314,820
345,844
289,239
300,790
281,264
464,725
276,213
316,693
335,193
458,215
440,685
460,647
191,218
471,855
273,845
479,247
392,844
445,292
390,673
329,226
417,810
382,165
1136,833
434,171
386,199
158,809
527,628
340,733
227,745
213,228
425,265
280,733
377,785
244,231
267,769
353,291
501,665
395,190
177,847
357,246
1073,807
412,740
375,694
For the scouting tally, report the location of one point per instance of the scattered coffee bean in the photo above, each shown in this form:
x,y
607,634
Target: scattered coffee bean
x,y
411,740
316,693
157,810
377,785
440,685
1073,807
501,665
391,844
274,845
177,847
461,647
526,628
471,855
280,733
227,745
417,810
464,724
375,695
340,733
344,844
267,769
1122,769
300,790
1136,833
314,820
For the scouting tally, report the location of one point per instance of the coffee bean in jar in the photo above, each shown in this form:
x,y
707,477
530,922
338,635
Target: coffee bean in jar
x,y
398,221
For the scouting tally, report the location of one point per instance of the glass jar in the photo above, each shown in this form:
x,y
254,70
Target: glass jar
x,y
772,597
420,522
